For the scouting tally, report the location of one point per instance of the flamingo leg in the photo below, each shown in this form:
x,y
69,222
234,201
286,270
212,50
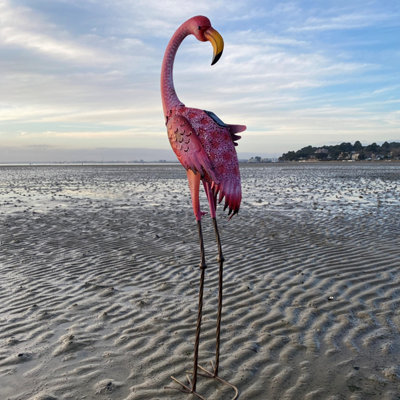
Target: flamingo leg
x,y
194,182
203,266
211,202
205,373
215,367
220,296
200,306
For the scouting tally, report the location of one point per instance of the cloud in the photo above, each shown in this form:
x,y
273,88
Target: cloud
x,y
339,20
22,27
259,75
88,72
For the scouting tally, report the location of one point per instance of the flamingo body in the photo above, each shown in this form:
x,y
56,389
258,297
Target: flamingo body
x,y
205,145
201,141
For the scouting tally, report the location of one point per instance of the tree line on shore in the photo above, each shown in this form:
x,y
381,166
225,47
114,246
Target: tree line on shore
x,y
345,151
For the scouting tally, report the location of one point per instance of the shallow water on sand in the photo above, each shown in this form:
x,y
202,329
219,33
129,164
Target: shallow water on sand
x,y
98,289
330,188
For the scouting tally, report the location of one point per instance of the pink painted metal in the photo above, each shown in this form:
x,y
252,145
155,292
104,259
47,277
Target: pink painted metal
x,y
203,144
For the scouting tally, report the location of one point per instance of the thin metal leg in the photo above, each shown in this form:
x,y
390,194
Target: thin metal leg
x,y
220,293
193,381
214,368
214,374
200,307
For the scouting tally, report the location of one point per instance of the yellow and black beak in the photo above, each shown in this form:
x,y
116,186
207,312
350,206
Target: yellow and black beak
x,y
217,43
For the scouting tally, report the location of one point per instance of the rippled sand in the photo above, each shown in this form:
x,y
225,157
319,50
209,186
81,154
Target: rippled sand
x,y
98,289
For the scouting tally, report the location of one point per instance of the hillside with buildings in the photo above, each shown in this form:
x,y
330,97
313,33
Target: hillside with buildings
x,y
345,152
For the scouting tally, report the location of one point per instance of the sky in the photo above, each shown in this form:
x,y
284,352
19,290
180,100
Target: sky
x,y
80,80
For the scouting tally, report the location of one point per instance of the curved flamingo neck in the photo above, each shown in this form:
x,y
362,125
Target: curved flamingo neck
x,y
168,94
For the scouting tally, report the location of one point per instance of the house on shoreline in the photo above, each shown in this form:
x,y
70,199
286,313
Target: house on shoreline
x,y
345,152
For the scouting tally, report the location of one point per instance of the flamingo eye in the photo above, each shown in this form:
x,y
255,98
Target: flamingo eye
x,y
199,28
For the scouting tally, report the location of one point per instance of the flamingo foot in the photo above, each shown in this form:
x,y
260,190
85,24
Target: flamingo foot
x,y
184,388
214,375
207,374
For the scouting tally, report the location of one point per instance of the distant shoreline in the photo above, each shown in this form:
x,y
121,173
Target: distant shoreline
x,y
172,163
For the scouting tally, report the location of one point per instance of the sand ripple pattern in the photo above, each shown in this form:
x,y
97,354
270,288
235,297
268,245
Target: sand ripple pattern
x,y
99,283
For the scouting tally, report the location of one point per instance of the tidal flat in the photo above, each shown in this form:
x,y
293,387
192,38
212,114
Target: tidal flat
x,y
99,278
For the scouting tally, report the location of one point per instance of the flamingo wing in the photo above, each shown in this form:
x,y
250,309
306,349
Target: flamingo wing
x,y
233,129
188,148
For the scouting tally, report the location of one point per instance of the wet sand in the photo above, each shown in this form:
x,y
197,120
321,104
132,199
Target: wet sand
x,y
99,283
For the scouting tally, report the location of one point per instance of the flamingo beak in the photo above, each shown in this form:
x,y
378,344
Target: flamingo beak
x,y
217,43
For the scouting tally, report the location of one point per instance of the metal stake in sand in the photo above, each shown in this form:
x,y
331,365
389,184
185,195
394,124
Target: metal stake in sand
x,y
205,146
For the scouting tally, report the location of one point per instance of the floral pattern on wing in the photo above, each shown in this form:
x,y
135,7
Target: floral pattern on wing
x,y
217,142
188,148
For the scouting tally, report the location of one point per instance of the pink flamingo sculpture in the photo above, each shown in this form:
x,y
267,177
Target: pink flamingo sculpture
x,y
205,146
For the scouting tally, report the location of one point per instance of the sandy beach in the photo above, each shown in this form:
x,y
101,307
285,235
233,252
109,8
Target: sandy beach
x,y
99,281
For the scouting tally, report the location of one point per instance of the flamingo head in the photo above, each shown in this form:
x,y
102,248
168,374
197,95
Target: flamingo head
x,y
201,28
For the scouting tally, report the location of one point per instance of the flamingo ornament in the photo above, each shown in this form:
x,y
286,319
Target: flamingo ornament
x,y
205,146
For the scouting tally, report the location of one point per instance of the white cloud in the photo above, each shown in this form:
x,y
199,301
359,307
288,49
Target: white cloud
x,y
344,21
99,84
22,27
